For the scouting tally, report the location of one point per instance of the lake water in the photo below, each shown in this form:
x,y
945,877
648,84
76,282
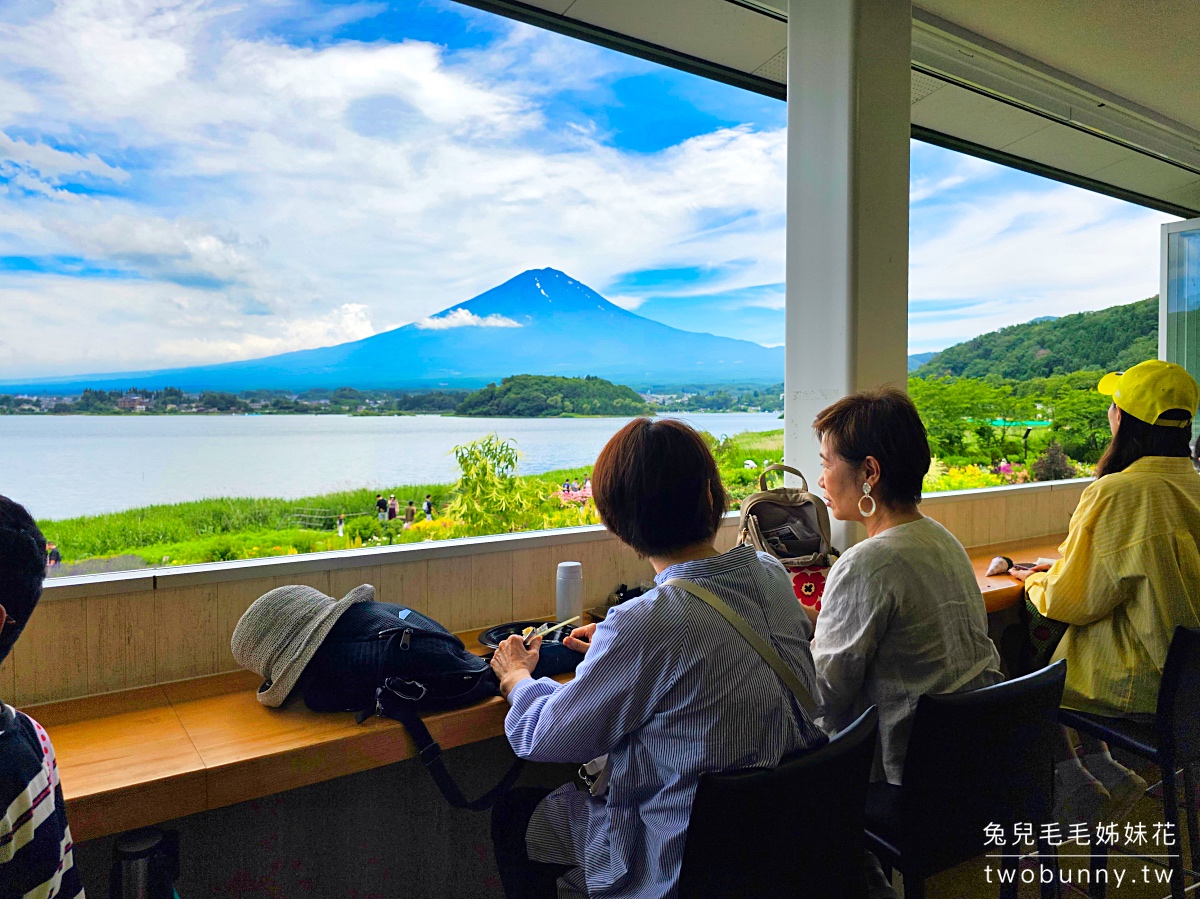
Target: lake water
x,y
62,466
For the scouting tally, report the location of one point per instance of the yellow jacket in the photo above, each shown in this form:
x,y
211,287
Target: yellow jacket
x,y
1130,573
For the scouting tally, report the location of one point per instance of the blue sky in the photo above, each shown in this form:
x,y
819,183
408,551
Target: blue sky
x,y
205,180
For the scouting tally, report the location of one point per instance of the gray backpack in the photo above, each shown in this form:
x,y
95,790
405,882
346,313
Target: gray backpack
x,y
793,526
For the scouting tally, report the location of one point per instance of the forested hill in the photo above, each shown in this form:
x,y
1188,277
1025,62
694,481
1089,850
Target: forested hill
x,y
1111,339
547,395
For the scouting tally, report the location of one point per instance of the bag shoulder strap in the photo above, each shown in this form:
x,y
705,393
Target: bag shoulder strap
x,y
750,635
391,700
775,466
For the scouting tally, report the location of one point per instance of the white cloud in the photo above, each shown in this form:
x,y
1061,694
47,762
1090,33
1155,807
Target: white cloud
x,y
117,325
350,322
256,191
53,164
294,180
994,260
465,318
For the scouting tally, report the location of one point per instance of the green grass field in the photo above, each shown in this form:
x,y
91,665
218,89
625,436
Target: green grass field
x,y
224,529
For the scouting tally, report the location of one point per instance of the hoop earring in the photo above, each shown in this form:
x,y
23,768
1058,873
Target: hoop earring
x,y
867,496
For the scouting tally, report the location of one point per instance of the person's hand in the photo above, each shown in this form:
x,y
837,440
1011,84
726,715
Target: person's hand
x,y
513,662
1021,573
580,638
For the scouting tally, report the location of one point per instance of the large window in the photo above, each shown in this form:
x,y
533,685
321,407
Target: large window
x,y
262,267
1183,296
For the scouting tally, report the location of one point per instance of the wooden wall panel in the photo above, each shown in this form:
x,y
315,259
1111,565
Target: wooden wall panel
x,y
233,599
120,641
996,515
50,659
405,584
317,579
1041,512
601,573
727,537
343,580
449,585
964,520
533,574
944,514
186,635
491,598
1063,501
633,570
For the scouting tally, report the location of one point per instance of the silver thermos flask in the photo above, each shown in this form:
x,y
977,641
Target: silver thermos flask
x,y
568,594
145,865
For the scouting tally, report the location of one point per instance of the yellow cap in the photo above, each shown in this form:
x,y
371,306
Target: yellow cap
x,y
1151,388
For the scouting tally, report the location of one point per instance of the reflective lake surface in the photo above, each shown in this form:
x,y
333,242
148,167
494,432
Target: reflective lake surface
x,y
63,466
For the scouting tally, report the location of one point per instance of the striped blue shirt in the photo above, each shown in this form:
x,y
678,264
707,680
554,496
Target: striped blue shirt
x,y
670,691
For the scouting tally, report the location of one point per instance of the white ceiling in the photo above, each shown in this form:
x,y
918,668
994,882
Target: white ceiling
x,y
1102,92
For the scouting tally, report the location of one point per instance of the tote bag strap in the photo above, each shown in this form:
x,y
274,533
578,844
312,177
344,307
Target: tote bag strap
x,y
750,635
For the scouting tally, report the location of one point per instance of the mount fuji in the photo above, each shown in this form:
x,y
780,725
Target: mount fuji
x,y
540,322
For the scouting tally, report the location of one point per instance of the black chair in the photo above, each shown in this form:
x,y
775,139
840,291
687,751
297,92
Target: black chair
x,y
1171,742
792,830
973,759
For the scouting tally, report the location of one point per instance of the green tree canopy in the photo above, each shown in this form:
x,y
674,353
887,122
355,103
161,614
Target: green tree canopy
x,y
534,396
1110,339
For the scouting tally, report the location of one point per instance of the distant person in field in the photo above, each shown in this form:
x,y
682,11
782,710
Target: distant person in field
x,y
36,851
410,514
427,507
393,507
575,486
381,506
341,524
53,556
587,483
567,486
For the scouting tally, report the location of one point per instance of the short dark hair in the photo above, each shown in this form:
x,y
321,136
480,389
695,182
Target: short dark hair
x,y
657,487
22,568
883,423
1136,438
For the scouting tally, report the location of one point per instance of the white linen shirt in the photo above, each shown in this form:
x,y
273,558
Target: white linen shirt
x,y
901,616
670,691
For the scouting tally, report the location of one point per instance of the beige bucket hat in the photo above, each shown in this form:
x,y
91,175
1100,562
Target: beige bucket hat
x,y
283,629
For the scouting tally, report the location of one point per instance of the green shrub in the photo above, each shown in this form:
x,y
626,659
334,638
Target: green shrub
x,y
1053,465
363,527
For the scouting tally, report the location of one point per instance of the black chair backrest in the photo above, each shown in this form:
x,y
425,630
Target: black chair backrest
x,y
1178,720
978,758
792,830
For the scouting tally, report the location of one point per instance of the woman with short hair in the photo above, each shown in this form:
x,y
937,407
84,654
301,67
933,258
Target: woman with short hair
x,y
902,614
1128,575
667,688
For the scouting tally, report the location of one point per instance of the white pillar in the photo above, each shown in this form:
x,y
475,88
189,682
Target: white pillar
x,y
847,210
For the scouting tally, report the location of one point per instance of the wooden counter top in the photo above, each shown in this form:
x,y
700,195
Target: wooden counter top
x,y
144,756
1003,591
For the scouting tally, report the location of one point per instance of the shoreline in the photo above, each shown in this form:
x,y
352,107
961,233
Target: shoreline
x,y
405,414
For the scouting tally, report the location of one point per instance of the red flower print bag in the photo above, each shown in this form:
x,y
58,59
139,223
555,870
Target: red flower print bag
x,y
793,526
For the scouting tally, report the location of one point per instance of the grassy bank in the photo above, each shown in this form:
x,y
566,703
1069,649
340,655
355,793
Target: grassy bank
x,y
243,528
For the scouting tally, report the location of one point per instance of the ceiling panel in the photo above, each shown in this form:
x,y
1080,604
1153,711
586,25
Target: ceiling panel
x,y
975,118
1066,148
558,7
1142,173
1187,196
716,30
1145,50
